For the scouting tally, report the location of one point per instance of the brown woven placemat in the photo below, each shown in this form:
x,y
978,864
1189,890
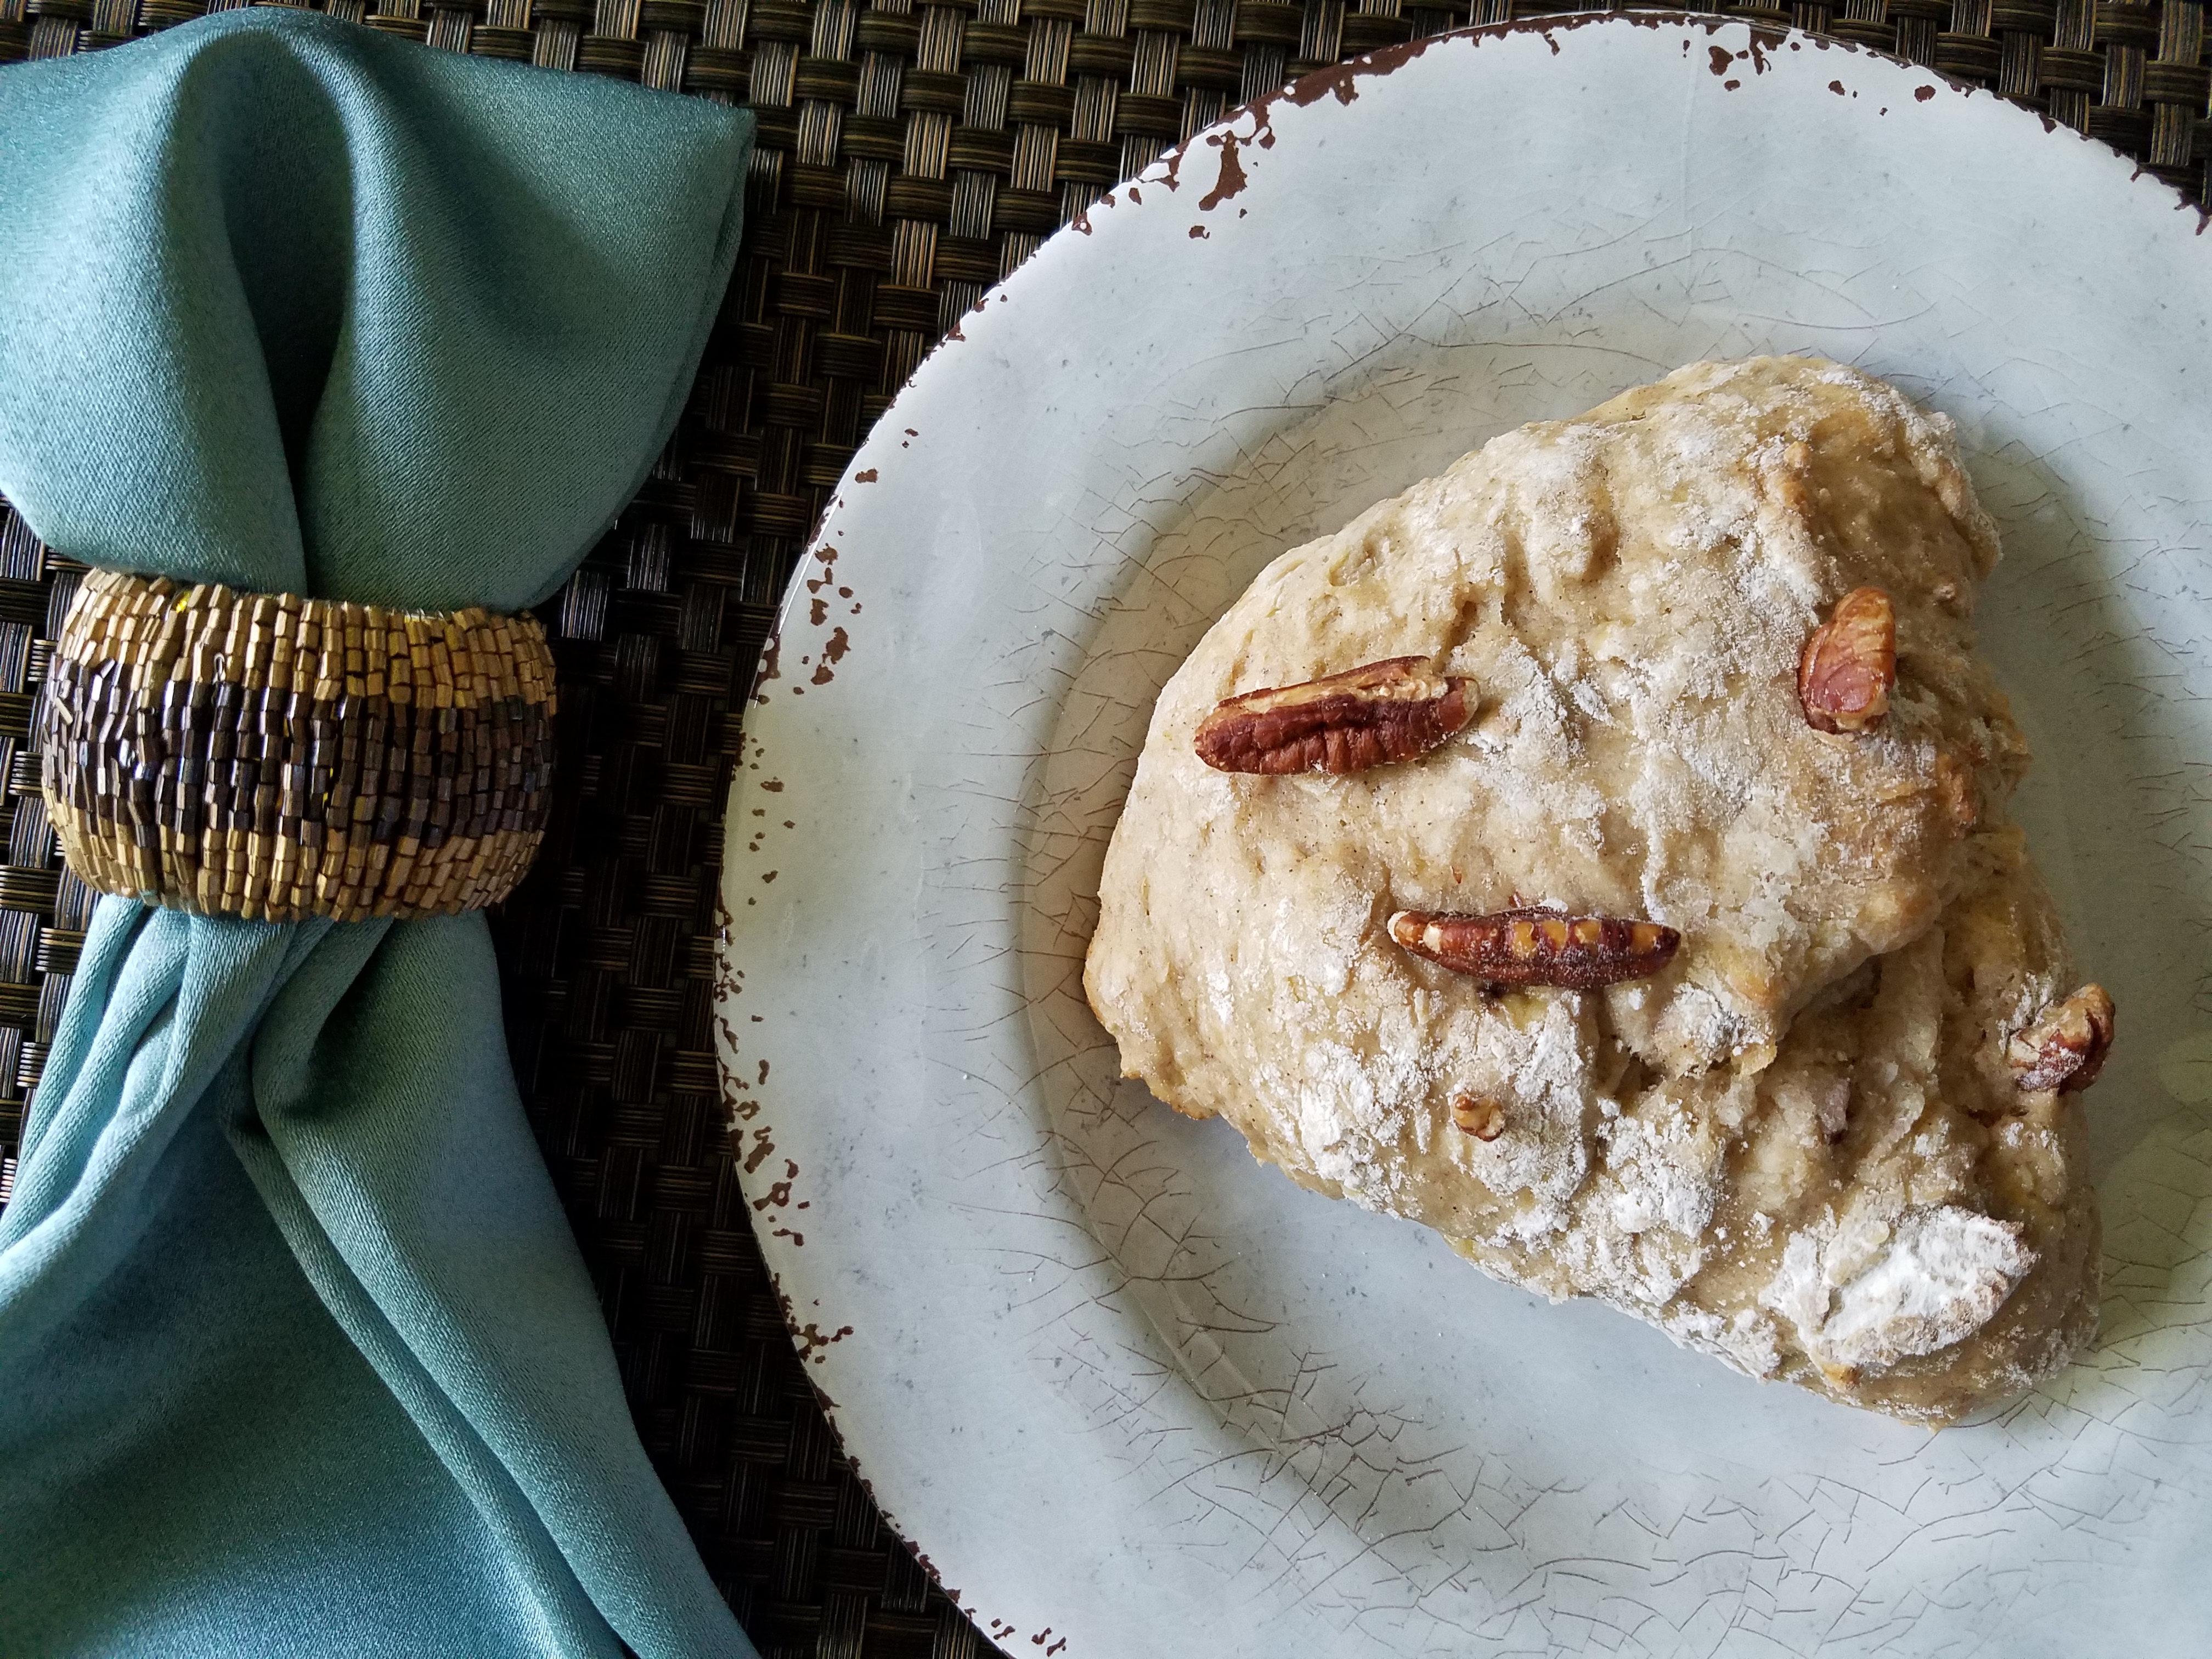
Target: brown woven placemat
x,y
910,154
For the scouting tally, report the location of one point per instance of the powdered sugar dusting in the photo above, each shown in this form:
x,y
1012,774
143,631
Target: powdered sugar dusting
x,y
1899,1290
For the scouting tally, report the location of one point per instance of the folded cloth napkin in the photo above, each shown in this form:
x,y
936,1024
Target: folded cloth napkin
x,y
297,1356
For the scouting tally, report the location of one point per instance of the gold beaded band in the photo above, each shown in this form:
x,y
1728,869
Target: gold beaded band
x,y
265,756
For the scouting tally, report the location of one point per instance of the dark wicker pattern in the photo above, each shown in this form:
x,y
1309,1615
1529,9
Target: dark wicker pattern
x,y
911,153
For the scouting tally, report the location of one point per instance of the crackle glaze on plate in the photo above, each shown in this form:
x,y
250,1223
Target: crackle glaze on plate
x,y
1128,1392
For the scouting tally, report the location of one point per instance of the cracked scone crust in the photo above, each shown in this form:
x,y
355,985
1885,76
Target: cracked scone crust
x,y
1798,1147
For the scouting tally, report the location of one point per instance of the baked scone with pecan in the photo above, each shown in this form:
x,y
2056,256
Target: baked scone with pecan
x,y
1599,853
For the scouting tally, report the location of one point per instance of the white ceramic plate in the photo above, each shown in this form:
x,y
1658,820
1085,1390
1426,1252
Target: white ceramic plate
x,y
1132,1394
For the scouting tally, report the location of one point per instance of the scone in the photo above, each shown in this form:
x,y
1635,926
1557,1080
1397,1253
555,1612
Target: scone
x,y
1599,853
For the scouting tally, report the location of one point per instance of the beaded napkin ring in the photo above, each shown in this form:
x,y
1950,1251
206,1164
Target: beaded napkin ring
x,y
265,756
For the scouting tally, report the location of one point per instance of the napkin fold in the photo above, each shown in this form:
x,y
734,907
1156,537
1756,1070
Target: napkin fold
x,y
297,1355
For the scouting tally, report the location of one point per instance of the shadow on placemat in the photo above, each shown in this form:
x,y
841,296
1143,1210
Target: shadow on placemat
x,y
909,155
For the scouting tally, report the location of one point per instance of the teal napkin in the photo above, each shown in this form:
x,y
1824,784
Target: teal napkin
x,y
297,1356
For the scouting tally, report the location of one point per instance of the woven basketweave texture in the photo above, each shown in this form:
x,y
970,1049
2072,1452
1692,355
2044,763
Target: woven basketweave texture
x,y
274,757
910,154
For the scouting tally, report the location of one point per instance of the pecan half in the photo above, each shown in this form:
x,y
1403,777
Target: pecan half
x,y
1364,717
2065,1049
1849,665
1479,1116
1538,947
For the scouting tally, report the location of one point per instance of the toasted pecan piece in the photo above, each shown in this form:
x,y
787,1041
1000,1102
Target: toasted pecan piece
x,y
2065,1049
1538,947
1480,1115
1849,665
1366,716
